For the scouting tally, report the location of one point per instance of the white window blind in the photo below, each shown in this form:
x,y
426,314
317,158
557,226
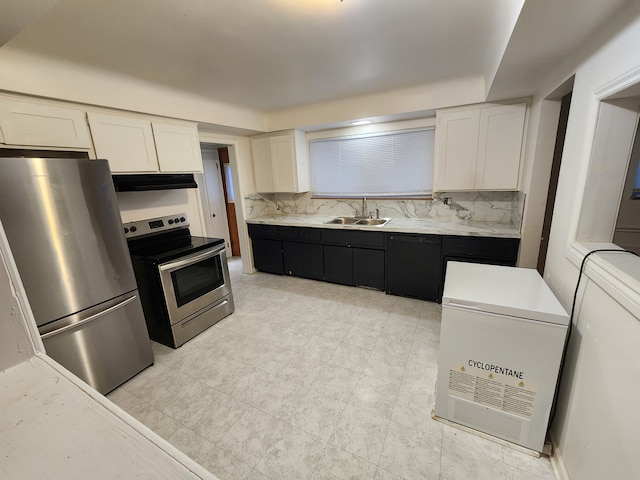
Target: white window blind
x,y
395,164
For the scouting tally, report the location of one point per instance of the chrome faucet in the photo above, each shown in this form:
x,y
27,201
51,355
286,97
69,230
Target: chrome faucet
x,y
364,207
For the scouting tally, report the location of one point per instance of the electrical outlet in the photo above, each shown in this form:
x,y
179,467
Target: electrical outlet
x,y
446,200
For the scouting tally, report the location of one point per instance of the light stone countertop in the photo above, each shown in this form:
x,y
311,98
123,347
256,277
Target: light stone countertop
x,y
401,225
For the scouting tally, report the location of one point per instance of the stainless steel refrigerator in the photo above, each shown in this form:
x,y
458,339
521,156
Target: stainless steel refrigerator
x,y
63,224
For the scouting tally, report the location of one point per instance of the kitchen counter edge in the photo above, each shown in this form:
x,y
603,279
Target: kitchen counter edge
x,y
398,225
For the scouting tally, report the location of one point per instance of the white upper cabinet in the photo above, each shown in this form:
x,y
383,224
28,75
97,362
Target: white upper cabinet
x,y
260,148
456,149
31,123
178,147
137,145
479,148
281,162
126,142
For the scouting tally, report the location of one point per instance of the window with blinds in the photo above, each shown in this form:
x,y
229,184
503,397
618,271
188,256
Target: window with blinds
x,y
394,164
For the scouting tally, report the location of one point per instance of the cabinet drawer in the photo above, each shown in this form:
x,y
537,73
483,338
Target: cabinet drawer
x,y
353,238
309,234
365,239
335,236
263,231
288,233
299,233
498,248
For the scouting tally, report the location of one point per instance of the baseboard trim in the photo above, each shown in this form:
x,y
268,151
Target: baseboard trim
x,y
557,461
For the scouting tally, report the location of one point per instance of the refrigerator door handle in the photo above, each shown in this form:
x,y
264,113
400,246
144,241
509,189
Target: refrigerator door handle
x,y
89,318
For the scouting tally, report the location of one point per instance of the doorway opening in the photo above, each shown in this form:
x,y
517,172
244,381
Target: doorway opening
x,y
219,205
553,180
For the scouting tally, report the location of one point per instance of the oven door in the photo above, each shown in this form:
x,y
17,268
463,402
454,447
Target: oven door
x,y
195,282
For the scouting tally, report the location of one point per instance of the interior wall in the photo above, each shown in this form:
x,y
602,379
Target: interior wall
x,y
593,404
540,143
461,91
143,205
26,73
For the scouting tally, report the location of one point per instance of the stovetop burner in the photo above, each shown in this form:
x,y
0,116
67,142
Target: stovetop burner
x,y
162,239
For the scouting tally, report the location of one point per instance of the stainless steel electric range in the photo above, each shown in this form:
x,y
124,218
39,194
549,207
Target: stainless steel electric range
x,y
183,280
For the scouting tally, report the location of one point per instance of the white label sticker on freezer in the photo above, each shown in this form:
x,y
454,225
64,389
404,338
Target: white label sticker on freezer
x,y
496,387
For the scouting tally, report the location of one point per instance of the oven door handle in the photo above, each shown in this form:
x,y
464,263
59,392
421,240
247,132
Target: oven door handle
x,y
183,262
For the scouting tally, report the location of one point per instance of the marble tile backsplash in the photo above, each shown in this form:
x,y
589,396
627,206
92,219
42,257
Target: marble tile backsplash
x,y
500,207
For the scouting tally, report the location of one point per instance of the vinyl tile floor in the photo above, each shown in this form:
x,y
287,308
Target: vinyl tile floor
x,y
310,380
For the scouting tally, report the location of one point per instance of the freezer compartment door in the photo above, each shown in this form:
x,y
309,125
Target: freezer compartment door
x,y
105,345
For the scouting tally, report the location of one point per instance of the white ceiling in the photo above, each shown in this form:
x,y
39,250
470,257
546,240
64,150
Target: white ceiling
x,y
273,55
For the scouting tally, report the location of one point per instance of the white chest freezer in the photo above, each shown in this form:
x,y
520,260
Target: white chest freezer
x,y
501,342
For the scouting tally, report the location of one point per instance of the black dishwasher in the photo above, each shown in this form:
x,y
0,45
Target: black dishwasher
x,y
414,265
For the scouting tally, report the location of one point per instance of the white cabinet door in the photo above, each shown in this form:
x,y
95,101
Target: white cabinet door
x,y
283,164
500,147
126,142
35,124
456,150
302,168
479,148
178,147
262,164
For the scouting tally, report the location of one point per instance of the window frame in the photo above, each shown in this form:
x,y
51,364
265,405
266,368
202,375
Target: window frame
x,y
618,105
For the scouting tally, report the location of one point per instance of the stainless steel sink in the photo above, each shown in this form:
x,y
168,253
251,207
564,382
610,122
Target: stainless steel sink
x,y
344,220
373,221
358,221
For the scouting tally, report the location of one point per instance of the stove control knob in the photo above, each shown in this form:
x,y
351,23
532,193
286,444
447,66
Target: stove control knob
x,y
177,220
182,219
126,230
170,222
133,229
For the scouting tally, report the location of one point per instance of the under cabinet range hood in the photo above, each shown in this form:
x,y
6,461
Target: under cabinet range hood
x,y
153,181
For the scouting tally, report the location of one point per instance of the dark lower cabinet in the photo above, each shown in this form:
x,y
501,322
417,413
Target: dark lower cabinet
x,y
414,266
338,264
405,264
368,268
489,250
267,255
348,265
303,260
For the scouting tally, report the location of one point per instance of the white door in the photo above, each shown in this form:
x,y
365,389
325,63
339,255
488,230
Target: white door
x,y
215,197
